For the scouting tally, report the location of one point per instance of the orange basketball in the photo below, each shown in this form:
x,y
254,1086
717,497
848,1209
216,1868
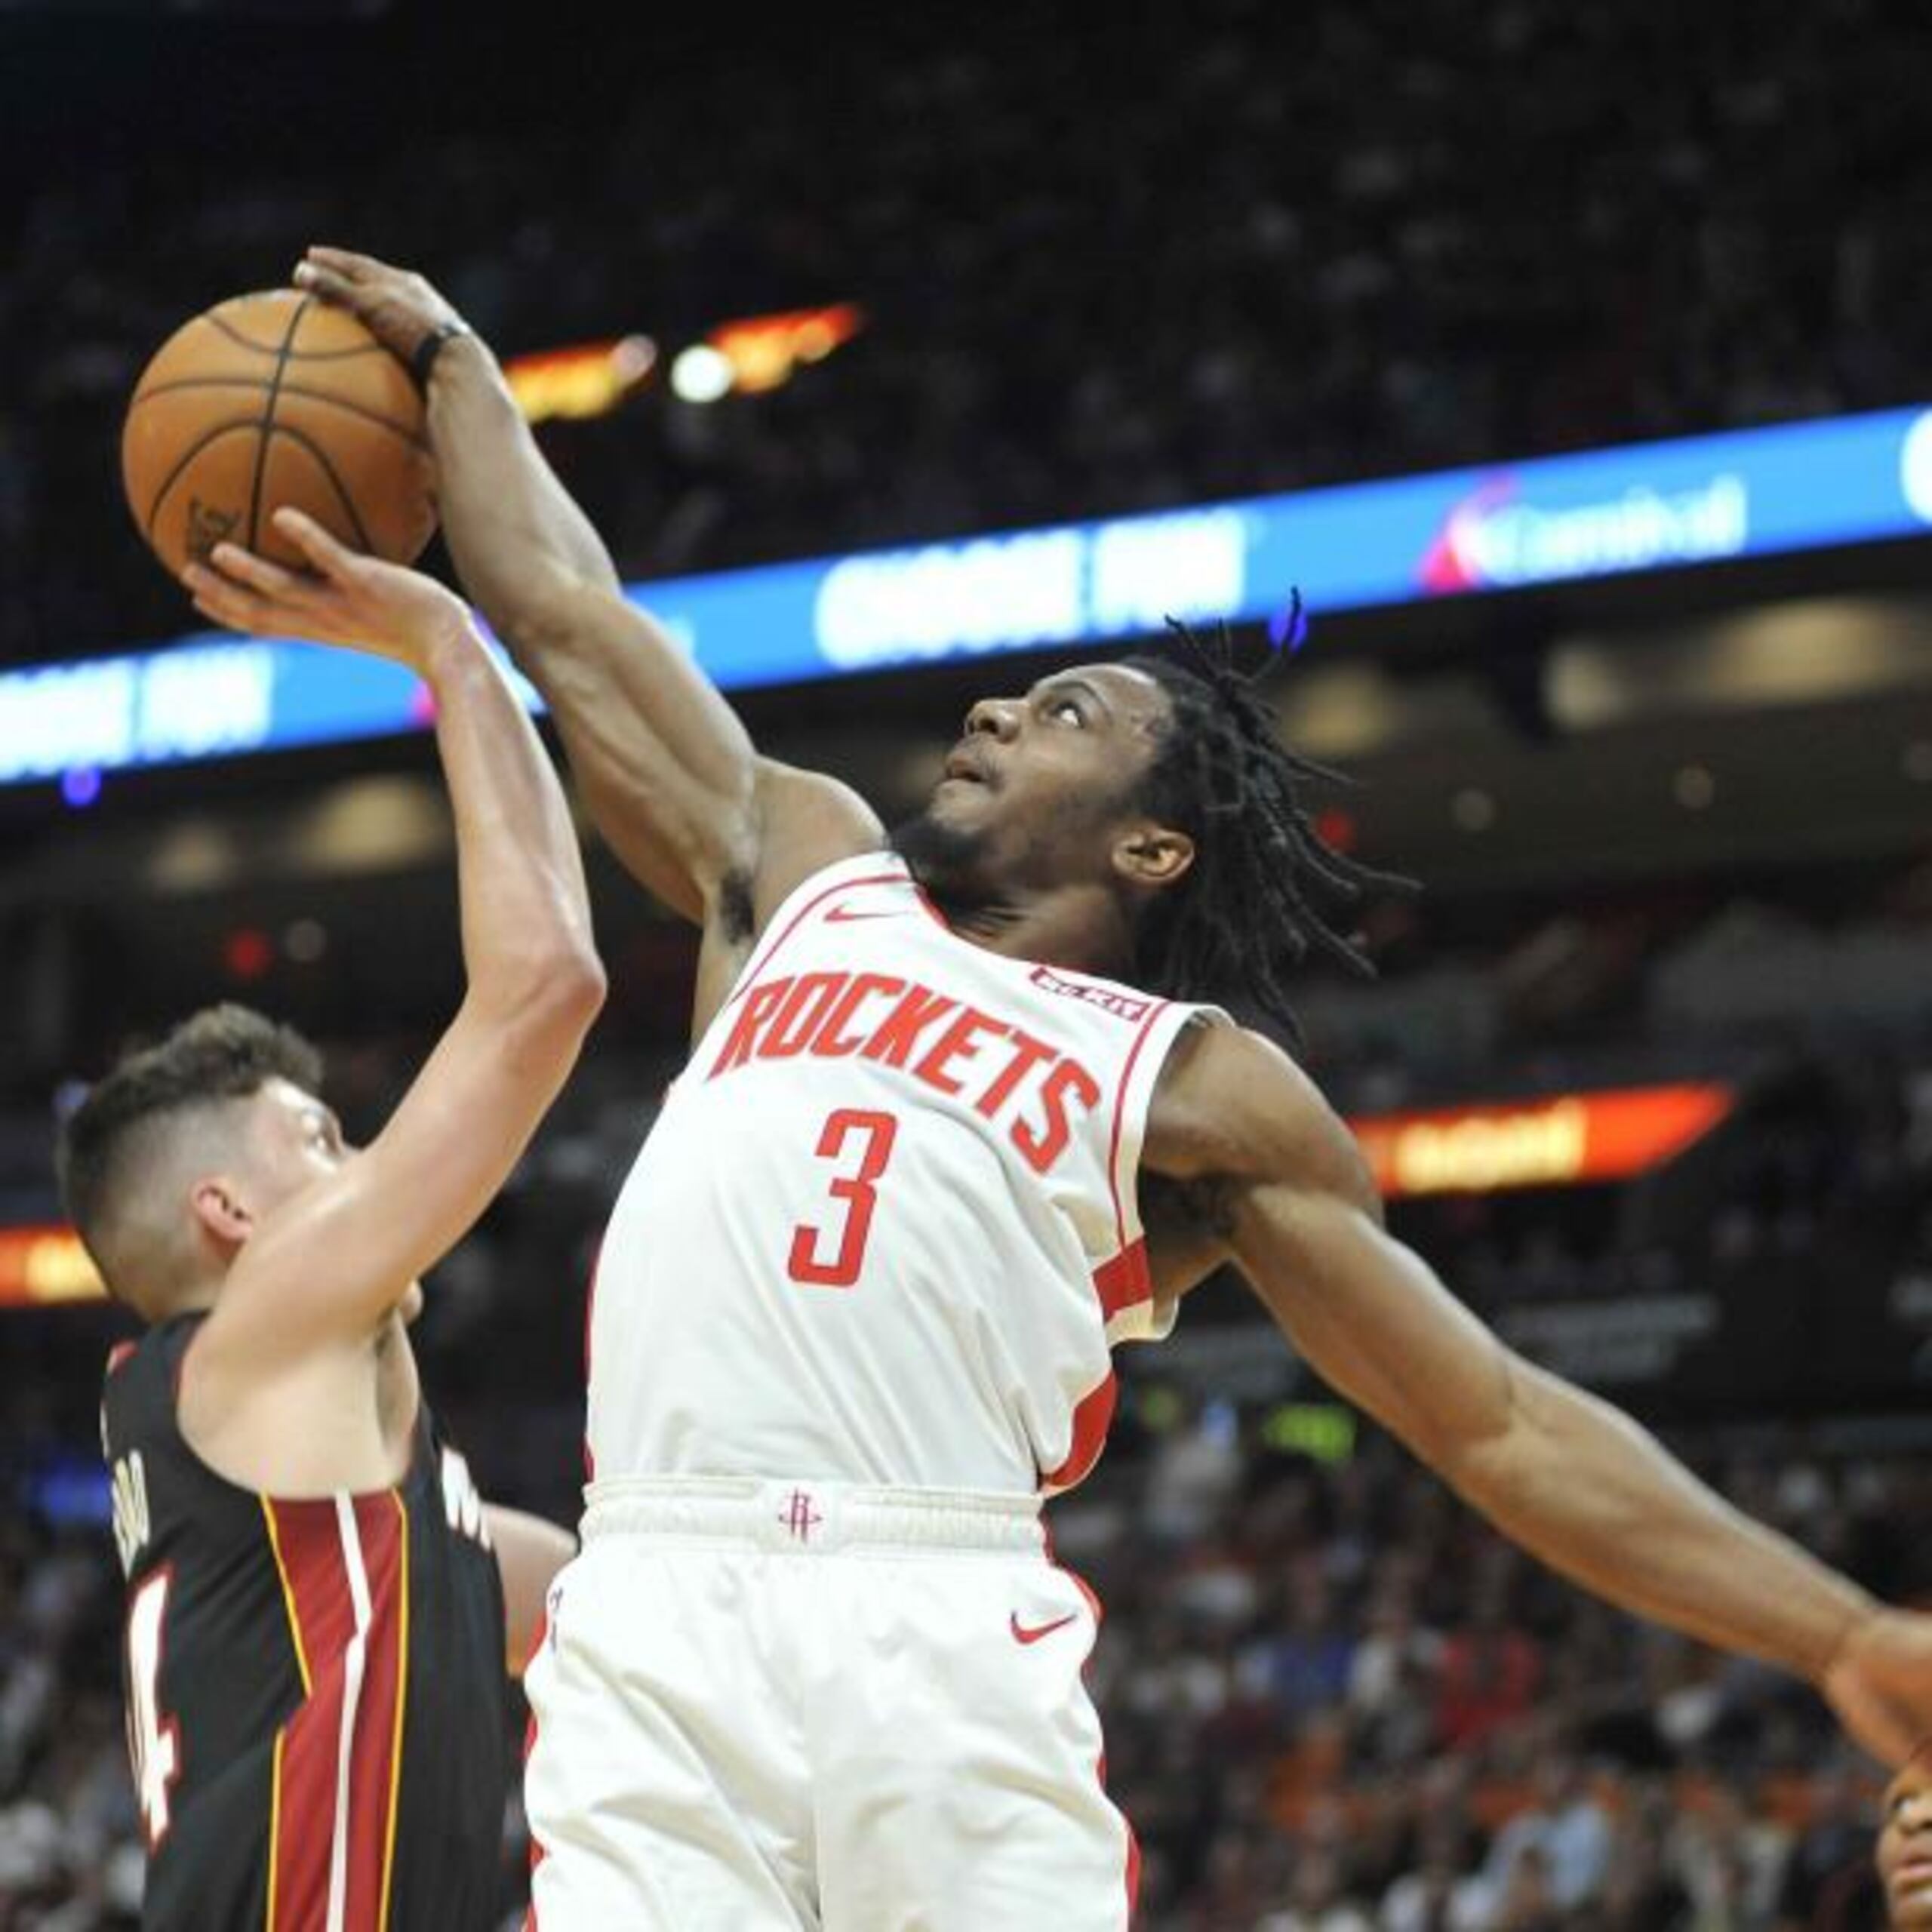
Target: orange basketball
x,y
271,399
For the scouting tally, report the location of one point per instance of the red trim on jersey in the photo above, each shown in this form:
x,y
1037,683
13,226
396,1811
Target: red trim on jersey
x,y
537,1851
589,1314
1124,1282
1120,1115
1121,1281
755,971
118,1354
1132,1873
1091,1420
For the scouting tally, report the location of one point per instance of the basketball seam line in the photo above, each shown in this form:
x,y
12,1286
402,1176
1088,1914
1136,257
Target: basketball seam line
x,y
268,425
328,469
375,415
241,341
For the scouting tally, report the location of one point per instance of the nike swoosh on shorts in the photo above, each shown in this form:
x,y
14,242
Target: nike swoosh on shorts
x,y
1032,1634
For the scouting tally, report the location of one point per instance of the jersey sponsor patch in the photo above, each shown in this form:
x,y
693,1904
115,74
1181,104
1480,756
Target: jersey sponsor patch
x,y
1108,999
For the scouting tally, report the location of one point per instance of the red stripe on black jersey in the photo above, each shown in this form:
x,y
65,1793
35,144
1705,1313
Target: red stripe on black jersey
x,y
345,1562
375,1760
321,1618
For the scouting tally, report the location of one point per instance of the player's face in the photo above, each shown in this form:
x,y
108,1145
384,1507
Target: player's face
x,y
1904,1847
1035,789
294,1140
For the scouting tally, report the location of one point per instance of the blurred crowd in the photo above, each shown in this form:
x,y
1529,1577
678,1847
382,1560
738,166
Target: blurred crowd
x,y
1140,258
1150,257
1334,1702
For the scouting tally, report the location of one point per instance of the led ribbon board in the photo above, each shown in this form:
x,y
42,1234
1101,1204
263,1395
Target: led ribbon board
x,y
1569,1140
1644,507
1572,1139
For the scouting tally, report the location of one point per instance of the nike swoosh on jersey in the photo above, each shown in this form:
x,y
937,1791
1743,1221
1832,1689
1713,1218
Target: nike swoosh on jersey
x,y
1024,1633
845,915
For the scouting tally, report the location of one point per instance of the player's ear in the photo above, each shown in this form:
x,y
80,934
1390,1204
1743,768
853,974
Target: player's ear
x,y
1153,855
218,1206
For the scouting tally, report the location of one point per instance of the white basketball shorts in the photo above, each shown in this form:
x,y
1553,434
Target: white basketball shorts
x,y
776,1704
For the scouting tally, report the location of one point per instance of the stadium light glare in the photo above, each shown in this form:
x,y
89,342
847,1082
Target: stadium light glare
x,y
702,374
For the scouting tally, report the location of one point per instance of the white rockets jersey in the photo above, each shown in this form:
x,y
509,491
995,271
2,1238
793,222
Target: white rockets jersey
x,y
885,1228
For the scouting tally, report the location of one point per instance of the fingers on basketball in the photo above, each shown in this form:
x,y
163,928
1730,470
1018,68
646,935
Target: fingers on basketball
x,y
343,261
244,567
325,555
219,598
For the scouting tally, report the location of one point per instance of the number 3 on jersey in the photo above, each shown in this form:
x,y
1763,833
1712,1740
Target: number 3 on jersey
x,y
856,1190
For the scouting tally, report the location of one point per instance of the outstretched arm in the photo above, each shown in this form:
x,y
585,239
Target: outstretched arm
x,y
328,1267
1574,1481
670,775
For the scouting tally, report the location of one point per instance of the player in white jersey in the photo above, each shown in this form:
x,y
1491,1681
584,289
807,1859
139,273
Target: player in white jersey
x,y
813,1668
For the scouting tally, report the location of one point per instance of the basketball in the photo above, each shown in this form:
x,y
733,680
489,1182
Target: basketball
x,y
271,399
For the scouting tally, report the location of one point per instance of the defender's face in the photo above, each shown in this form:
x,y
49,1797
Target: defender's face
x,y
1904,1847
1039,777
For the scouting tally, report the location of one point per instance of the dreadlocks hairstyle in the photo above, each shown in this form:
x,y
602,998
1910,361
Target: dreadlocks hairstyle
x,y
1266,891
106,1145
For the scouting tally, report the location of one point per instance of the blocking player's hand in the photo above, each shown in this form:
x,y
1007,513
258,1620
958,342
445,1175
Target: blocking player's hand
x,y
343,598
399,307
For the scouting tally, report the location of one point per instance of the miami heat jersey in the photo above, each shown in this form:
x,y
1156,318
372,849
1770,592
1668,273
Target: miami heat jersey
x,y
315,1688
885,1228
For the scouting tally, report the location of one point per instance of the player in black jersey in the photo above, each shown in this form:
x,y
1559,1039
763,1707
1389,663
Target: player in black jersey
x,y
318,1603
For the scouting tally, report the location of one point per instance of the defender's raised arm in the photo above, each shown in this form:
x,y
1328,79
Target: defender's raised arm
x,y
670,775
1577,1483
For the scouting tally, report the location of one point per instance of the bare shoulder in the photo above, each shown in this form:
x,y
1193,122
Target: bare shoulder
x,y
807,820
1232,1107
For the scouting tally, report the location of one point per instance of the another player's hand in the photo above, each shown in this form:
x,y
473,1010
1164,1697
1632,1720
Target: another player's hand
x,y
343,598
399,307
1880,1684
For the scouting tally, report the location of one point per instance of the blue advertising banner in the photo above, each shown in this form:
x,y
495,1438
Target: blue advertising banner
x,y
1643,507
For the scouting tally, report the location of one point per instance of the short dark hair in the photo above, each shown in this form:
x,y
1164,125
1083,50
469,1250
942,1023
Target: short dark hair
x,y
1265,890
222,1053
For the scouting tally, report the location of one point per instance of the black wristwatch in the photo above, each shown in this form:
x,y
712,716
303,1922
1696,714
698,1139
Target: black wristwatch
x,y
426,351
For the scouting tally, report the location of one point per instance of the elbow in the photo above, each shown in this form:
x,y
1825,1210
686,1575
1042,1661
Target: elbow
x,y
546,1006
570,991
1495,1446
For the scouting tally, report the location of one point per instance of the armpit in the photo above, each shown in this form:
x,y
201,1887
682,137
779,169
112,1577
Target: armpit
x,y
1201,1209
737,917
1188,1226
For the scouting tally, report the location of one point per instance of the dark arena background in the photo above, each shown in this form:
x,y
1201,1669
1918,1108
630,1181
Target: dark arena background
x,y
1008,334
